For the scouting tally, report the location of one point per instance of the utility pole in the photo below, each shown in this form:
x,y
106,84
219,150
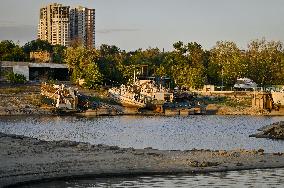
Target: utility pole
x,y
222,80
134,76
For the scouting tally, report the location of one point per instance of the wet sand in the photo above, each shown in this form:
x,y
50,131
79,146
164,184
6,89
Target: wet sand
x,y
25,159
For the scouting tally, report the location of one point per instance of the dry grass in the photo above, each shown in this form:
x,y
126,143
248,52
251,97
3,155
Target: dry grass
x,y
34,99
19,89
12,90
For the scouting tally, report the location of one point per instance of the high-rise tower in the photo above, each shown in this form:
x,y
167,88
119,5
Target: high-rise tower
x,y
60,25
54,24
82,25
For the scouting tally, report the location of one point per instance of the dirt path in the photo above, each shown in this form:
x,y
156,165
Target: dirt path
x,y
26,159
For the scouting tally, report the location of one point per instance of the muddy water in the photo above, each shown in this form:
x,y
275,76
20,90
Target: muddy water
x,y
212,132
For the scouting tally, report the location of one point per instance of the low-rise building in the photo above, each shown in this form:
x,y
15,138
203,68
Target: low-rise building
x,y
35,71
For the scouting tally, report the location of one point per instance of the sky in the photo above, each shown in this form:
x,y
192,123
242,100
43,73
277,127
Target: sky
x,y
133,24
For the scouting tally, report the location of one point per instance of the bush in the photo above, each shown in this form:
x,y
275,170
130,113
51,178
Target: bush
x,y
16,78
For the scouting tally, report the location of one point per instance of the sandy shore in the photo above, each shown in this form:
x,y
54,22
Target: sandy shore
x,y
26,159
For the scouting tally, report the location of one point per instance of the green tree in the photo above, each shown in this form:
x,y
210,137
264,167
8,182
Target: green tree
x,y
37,45
9,51
83,64
226,63
265,62
110,61
185,65
134,61
58,53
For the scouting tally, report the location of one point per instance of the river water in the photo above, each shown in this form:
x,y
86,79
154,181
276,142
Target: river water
x,y
200,132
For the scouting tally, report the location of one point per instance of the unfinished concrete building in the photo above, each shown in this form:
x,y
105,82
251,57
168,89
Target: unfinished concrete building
x,y
82,25
35,71
54,24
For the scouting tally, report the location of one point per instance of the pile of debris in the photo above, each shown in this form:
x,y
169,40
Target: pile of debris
x,y
62,97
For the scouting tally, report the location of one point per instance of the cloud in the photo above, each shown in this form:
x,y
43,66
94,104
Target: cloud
x,y
112,30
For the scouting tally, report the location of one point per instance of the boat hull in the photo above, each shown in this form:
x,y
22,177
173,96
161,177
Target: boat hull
x,y
126,102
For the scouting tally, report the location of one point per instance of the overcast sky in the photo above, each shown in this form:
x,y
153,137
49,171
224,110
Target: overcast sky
x,y
133,24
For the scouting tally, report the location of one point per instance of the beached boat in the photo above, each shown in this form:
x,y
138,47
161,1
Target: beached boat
x,y
140,94
126,97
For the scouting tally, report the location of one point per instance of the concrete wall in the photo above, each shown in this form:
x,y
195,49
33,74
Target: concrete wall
x,y
48,65
24,70
29,64
17,67
13,63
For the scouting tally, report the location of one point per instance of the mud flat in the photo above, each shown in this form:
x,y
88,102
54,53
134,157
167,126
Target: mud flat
x,y
273,131
25,159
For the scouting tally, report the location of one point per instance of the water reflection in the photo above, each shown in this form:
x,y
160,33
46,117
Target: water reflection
x,y
213,132
246,178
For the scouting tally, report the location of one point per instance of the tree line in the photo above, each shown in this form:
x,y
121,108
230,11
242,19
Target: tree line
x,y
189,65
11,51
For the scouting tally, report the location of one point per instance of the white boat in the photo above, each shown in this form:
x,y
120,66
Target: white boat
x,y
245,83
127,98
140,94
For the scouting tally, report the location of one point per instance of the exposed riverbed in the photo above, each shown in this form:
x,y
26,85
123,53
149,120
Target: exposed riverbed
x,y
167,133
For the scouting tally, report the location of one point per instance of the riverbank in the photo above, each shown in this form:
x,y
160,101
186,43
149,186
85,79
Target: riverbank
x,y
28,159
21,100
26,100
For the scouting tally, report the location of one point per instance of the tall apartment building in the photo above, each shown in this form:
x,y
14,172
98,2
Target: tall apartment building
x,y
82,25
59,24
54,24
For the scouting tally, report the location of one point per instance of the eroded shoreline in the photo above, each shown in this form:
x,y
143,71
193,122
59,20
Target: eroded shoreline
x,y
28,159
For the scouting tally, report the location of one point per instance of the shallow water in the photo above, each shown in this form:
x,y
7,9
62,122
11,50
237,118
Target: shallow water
x,y
246,178
201,132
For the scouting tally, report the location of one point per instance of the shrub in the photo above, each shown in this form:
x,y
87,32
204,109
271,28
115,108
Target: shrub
x,y
16,78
